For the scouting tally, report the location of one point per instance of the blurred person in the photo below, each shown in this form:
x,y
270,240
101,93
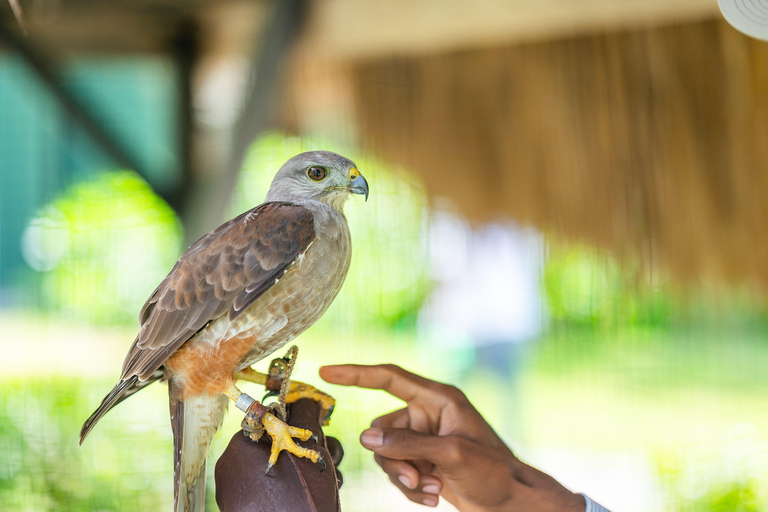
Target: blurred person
x,y
488,295
440,445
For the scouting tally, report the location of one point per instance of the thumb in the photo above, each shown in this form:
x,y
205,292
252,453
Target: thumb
x,y
407,444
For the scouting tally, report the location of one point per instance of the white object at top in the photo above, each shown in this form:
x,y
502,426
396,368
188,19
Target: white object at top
x,y
747,16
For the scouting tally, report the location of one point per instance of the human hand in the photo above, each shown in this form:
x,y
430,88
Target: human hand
x,y
439,445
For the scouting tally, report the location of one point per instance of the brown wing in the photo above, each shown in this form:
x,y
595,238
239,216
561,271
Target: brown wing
x,y
224,271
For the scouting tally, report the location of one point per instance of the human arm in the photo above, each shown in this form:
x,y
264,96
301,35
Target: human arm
x,y
440,445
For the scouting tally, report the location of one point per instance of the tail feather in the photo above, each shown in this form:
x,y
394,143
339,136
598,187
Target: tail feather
x,y
120,392
194,422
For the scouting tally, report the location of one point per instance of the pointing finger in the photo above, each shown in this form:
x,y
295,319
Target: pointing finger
x,y
388,377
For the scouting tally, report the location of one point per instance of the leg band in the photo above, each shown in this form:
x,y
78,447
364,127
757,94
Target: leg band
x,y
244,402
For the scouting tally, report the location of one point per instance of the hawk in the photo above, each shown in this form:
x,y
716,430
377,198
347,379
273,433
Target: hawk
x,y
235,296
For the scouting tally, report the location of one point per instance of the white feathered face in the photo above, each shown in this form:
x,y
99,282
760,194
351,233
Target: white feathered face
x,y
319,175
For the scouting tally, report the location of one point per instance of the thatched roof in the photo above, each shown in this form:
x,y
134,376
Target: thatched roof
x,y
652,142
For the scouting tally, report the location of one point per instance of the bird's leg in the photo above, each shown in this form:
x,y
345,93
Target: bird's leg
x,y
259,419
297,390
252,424
251,375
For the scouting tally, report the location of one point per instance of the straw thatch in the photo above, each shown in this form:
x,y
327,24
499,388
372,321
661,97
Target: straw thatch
x,y
647,141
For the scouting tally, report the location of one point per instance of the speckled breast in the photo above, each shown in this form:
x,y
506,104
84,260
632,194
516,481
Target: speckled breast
x,y
298,300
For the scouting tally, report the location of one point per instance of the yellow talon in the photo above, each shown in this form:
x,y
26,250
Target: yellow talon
x,y
282,434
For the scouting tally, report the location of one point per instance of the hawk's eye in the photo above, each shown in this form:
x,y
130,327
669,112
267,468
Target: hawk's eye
x,y
317,173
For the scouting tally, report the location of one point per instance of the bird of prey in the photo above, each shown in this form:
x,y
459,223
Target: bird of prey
x,y
235,296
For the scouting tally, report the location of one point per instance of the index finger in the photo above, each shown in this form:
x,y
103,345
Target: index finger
x,y
387,377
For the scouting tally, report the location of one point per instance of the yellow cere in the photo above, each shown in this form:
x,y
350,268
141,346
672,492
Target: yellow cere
x,y
353,173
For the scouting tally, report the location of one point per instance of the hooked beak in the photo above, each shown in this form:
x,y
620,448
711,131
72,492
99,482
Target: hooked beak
x,y
359,186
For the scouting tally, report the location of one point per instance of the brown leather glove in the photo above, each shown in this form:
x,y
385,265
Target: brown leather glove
x,y
292,484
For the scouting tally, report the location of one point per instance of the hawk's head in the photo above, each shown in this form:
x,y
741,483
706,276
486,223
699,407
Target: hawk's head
x,y
319,175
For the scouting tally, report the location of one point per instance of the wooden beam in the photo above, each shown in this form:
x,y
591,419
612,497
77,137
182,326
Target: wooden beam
x,y
186,53
77,110
364,29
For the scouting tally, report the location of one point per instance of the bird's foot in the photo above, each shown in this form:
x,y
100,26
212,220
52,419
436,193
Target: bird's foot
x,y
259,419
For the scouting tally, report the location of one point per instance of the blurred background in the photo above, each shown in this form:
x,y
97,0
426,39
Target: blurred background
x,y
567,220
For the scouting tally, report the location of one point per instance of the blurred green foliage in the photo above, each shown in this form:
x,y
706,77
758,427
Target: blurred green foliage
x,y
716,495
43,468
736,497
585,288
102,247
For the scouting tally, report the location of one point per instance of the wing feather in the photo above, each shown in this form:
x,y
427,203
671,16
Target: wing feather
x,y
223,272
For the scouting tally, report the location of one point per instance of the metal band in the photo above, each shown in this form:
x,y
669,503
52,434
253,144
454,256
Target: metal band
x,y
244,402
